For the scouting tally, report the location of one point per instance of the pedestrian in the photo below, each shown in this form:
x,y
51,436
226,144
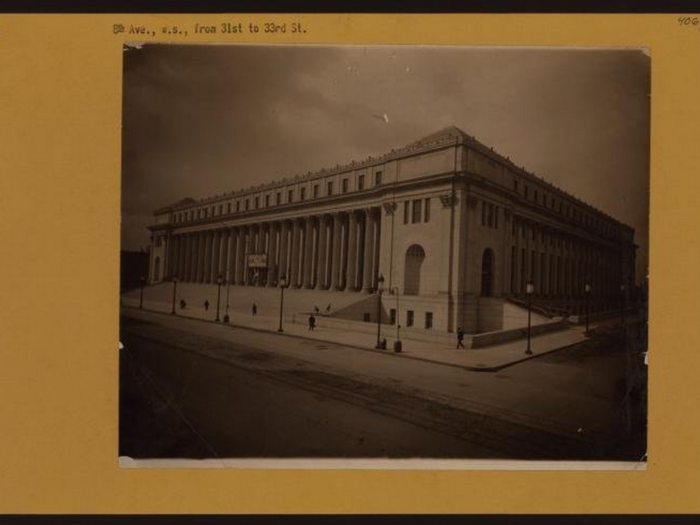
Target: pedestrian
x,y
183,304
312,322
255,309
206,304
460,338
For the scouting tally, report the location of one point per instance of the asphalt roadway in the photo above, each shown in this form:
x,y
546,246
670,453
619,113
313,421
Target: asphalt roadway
x,y
185,392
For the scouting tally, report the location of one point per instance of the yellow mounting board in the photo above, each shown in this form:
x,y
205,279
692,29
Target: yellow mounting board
x,y
60,151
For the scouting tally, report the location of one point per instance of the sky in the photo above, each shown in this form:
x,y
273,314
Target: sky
x,y
200,120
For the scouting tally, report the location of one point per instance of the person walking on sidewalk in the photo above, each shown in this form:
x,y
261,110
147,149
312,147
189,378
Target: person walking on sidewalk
x,y
206,305
255,309
312,322
460,338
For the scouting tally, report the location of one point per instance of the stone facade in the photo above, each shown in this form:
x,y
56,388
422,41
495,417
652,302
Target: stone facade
x,y
451,225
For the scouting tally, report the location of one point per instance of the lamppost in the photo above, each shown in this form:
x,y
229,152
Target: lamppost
x,y
228,287
397,343
587,289
172,310
143,282
380,289
283,285
219,281
529,290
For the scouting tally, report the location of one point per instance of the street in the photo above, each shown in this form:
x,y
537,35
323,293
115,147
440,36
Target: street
x,y
194,389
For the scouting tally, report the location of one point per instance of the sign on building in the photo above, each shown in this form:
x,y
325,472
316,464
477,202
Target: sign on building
x,y
257,260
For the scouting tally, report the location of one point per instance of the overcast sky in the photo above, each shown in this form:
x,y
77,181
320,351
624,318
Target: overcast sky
x,y
200,120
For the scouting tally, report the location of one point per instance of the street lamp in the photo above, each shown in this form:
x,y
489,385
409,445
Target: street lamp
x,y
529,290
219,281
172,311
380,289
397,343
143,282
228,287
587,289
283,285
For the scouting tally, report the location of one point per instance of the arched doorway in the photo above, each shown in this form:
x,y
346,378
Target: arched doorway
x,y
156,269
487,273
415,255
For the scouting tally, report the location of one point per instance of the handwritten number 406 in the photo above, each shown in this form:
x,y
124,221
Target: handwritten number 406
x,y
688,21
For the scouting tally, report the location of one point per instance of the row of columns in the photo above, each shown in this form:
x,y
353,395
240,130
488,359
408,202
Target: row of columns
x,y
560,264
338,251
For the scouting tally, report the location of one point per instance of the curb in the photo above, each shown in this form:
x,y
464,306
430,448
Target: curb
x,y
387,353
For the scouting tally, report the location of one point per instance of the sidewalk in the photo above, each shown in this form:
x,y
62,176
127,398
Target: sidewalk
x,y
487,359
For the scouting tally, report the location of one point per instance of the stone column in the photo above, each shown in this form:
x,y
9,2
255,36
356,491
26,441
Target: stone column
x,y
179,259
229,269
321,276
272,268
377,216
240,255
201,242
247,241
192,257
215,246
369,256
186,257
351,282
308,253
282,266
336,265
223,254
293,278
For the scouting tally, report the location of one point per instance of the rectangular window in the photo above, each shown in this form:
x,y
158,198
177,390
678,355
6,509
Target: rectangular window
x,y
302,197
428,319
290,196
426,217
490,222
330,188
483,213
257,202
267,201
537,197
526,191
409,317
229,208
206,212
345,185
378,178
278,198
392,316
405,212
238,206
247,204
416,211
221,209
515,185
316,190
495,217
361,182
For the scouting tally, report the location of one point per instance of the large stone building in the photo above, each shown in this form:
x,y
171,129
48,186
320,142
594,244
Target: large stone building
x,y
456,229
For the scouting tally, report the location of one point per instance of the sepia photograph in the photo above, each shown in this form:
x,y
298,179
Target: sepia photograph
x,y
384,252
